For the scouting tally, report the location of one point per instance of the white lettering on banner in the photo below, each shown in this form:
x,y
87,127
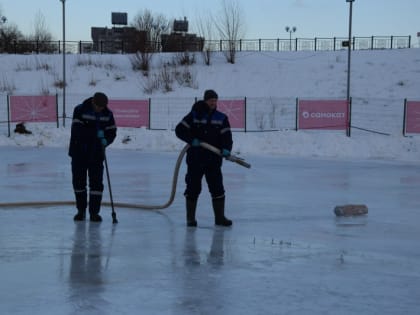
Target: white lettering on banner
x,y
323,115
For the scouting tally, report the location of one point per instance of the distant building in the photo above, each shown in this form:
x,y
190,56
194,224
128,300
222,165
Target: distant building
x,y
118,39
179,40
124,39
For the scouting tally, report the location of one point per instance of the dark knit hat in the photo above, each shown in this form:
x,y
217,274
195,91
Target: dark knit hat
x,y
100,99
209,94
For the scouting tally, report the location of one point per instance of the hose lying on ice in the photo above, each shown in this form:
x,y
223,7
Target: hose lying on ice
x,y
205,145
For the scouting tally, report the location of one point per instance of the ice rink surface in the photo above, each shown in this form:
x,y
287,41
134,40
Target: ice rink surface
x,y
286,253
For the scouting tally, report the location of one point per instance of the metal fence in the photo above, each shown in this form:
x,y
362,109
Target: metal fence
x,y
296,44
263,114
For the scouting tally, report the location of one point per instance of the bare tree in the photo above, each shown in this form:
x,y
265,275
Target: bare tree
x,y
230,26
206,28
9,33
153,25
42,36
41,31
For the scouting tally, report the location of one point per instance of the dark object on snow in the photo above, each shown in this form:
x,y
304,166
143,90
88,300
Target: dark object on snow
x,y
20,128
126,139
350,210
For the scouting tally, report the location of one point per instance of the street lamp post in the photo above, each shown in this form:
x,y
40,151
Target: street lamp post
x,y
349,49
290,30
64,62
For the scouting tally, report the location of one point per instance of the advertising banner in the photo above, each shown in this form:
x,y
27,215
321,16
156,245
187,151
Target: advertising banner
x,y
323,114
235,110
412,117
130,113
33,108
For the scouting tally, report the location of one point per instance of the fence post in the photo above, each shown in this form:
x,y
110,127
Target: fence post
x,y
245,112
150,114
8,115
392,39
56,107
349,114
404,116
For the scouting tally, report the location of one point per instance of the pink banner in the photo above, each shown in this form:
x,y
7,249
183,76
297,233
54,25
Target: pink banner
x,y
323,114
130,113
41,108
412,118
235,110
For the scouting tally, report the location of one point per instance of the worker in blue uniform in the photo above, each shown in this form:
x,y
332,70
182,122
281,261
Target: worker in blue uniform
x,y
204,123
93,129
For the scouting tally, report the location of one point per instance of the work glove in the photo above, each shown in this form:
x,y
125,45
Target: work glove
x,y
100,134
225,153
195,142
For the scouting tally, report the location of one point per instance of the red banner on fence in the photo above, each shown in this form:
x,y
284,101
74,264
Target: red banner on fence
x,y
323,114
235,110
40,108
412,117
130,113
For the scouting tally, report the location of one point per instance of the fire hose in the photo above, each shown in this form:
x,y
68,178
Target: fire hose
x,y
205,145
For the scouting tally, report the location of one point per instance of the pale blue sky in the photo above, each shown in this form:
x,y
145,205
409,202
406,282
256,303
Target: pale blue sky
x,y
263,18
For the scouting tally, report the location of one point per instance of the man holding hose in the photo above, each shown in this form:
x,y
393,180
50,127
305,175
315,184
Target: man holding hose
x,y
205,124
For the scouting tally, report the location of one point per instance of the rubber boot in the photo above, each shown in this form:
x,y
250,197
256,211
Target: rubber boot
x,y
191,206
219,212
81,204
94,207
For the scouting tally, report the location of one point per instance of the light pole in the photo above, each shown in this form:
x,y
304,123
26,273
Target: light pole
x,y
349,49
290,30
64,62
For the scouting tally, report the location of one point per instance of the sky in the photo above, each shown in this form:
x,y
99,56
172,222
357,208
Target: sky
x,y
264,19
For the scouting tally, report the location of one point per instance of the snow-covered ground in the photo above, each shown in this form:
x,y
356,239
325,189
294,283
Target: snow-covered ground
x,y
380,81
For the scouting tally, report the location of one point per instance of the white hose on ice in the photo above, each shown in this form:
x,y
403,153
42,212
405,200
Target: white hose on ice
x,y
130,205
